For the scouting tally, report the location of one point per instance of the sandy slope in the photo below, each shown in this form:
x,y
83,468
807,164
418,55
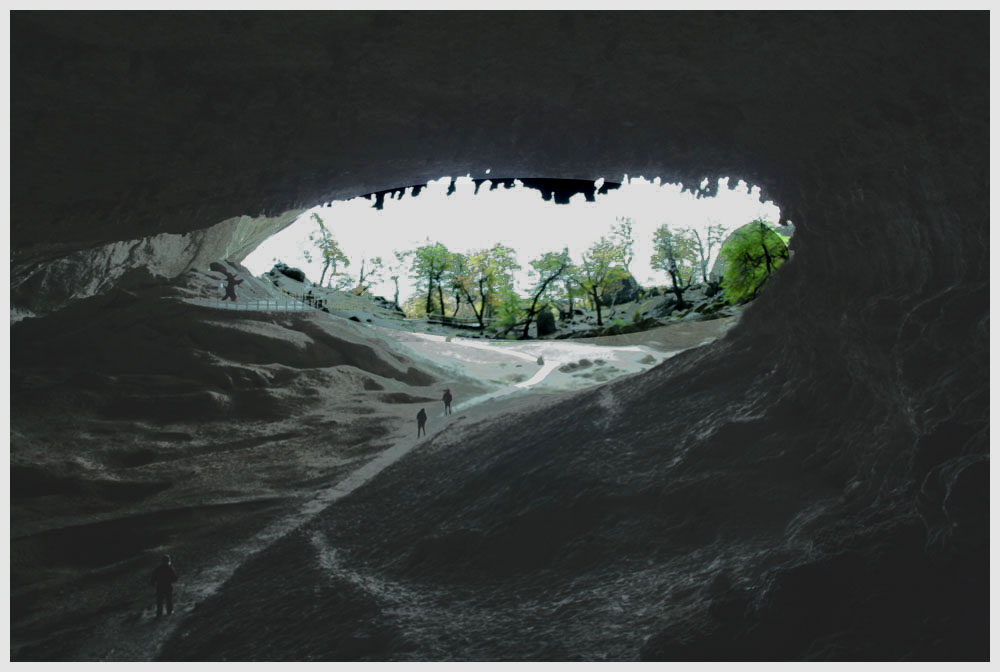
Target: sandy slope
x,y
211,434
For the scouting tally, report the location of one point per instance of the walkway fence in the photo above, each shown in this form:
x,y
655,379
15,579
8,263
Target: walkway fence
x,y
280,300
289,303
463,322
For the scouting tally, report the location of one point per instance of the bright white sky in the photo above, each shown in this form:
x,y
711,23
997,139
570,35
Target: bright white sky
x,y
518,217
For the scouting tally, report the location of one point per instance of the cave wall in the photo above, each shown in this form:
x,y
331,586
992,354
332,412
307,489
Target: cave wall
x,y
869,130
44,286
171,122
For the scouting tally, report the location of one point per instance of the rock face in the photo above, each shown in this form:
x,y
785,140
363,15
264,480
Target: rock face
x,y
629,291
41,287
293,273
814,485
545,323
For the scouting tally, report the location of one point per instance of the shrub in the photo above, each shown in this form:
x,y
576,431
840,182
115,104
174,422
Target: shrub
x,y
751,254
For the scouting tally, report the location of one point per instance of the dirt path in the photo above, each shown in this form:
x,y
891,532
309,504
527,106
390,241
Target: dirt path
x,y
140,637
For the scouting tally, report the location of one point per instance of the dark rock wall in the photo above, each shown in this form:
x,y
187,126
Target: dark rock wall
x,y
153,122
870,130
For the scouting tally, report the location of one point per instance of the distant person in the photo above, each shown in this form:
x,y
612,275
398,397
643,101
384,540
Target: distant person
x,y
163,578
447,401
421,421
231,283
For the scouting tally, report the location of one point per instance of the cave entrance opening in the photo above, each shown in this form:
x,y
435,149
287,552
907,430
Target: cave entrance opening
x,y
497,254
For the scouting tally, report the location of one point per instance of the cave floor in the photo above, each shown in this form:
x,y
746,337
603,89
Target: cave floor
x,y
216,494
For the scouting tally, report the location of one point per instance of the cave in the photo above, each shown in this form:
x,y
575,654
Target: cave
x,y
812,486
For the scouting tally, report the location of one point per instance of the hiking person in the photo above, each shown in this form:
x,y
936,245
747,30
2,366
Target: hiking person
x,y
163,578
421,421
231,283
447,401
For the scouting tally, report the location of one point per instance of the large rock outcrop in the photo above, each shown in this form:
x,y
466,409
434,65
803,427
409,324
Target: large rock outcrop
x,y
44,286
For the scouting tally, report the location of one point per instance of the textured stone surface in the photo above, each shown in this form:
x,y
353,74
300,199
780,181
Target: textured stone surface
x,y
545,323
843,423
44,286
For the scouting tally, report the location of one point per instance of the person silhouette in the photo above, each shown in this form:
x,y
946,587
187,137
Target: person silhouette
x,y
163,578
447,401
231,283
421,421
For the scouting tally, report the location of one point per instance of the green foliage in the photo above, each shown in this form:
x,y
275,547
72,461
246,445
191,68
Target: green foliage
x,y
329,250
485,277
622,235
751,254
508,307
371,270
546,269
602,265
397,268
676,252
429,264
637,316
414,306
600,269
569,284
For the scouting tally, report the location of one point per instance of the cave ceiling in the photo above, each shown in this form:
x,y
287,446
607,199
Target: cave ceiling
x,y
128,124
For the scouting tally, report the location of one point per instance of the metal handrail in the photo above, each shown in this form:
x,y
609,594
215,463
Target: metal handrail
x,y
289,304
465,321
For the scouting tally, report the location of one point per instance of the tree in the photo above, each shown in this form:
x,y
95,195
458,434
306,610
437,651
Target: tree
x,y
751,254
501,262
622,235
570,280
375,268
328,247
396,270
485,279
549,267
676,253
459,279
430,263
714,236
601,267
508,307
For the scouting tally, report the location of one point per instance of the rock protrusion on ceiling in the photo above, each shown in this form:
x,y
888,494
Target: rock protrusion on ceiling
x,y
49,285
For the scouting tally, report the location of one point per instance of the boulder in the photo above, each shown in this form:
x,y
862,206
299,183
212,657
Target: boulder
x,y
293,273
614,330
546,323
628,291
641,325
617,329
667,306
